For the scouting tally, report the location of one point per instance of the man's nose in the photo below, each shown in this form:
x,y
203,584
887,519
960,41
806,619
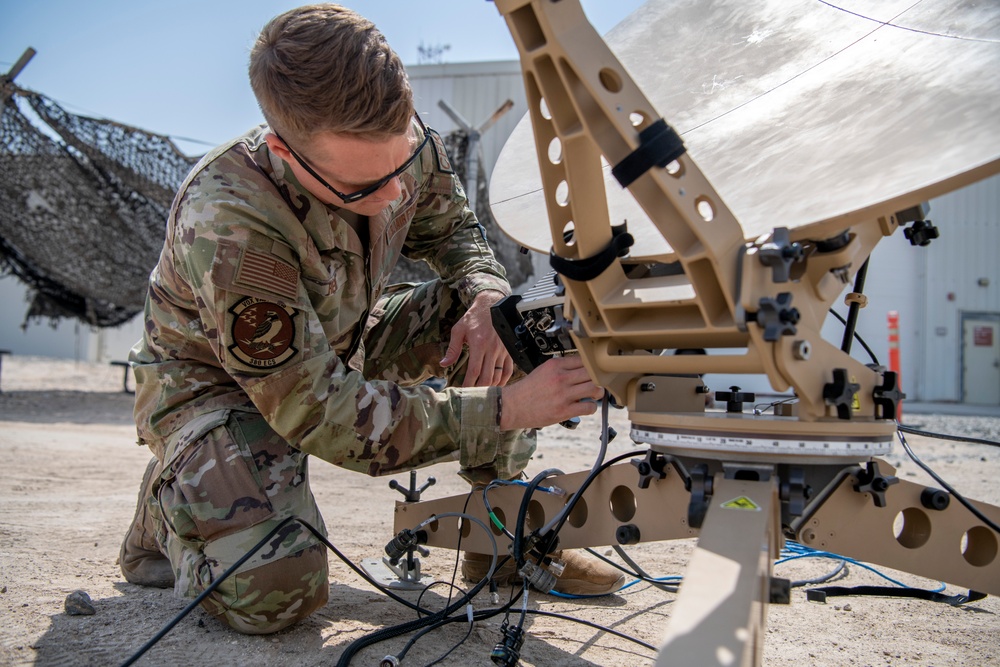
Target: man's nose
x,y
391,190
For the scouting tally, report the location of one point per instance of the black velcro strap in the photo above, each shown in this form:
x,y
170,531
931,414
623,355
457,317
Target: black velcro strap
x,y
820,594
582,270
659,145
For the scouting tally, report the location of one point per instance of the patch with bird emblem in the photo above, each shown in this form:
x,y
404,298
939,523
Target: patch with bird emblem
x,y
262,332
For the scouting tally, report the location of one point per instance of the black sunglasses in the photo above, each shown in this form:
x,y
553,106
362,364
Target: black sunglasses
x,y
348,198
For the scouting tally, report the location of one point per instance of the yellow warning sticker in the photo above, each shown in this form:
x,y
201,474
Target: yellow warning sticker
x,y
741,503
856,400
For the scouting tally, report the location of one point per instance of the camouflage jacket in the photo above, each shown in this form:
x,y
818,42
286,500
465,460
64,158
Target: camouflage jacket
x,y
258,303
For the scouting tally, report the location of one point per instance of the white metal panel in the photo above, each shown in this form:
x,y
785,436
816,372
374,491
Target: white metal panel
x,y
475,91
963,276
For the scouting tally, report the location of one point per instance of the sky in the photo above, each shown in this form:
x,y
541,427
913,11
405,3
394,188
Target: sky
x,y
178,67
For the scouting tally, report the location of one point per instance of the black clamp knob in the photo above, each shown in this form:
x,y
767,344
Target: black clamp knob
x,y
650,468
735,398
776,316
795,491
921,233
871,480
887,396
841,393
779,253
935,499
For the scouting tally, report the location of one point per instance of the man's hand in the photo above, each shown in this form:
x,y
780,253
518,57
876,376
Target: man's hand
x,y
552,393
489,363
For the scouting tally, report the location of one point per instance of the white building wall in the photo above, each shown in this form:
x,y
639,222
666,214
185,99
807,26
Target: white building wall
x,y
67,340
963,277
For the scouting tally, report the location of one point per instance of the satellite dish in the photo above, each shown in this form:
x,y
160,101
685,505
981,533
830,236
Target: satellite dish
x,y
803,114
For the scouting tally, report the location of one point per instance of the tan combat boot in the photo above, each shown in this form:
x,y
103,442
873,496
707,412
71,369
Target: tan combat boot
x,y
580,576
141,560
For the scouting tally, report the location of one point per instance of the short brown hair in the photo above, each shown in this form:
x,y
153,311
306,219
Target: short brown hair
x,y
325,68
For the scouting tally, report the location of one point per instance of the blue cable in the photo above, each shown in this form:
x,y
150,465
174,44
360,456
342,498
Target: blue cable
x,y
791,551
795,551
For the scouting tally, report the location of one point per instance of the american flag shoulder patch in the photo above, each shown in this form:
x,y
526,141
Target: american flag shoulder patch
x,y
266,272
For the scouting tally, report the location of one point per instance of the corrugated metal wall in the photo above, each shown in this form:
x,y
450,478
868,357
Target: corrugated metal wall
x,y
475,91
962,277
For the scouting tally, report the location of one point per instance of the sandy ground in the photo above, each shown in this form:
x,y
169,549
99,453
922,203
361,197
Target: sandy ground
x,y
70,472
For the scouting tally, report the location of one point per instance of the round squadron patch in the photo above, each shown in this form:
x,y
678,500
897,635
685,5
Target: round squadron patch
x,y
262,333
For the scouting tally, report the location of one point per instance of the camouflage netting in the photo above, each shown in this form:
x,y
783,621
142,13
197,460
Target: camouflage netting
x,y
82,217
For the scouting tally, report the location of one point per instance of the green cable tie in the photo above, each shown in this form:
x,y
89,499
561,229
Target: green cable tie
x,y
496,521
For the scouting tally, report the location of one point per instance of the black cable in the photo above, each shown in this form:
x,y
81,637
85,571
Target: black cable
x,y
431,585
208,591
969,506
583,487
822,579
596,626
636,572
468,634
409,626
568,508
452,619
484,614
942,436
857,337
489,509
522,514
402,628
852,310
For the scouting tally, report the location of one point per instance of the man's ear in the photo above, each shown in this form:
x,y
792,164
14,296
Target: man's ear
x,y
277,146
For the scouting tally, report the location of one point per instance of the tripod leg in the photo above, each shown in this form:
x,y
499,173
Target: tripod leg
x,y
720,613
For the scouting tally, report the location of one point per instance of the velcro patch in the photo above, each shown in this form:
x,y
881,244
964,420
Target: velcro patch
x,y
266,272
262,332
440,153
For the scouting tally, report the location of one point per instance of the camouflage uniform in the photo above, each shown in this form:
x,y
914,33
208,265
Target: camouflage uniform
x,y
271,335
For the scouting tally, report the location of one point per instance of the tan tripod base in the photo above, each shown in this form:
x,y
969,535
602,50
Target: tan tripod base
x,y
719,616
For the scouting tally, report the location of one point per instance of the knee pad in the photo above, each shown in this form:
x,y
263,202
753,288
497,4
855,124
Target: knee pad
x,y
273,596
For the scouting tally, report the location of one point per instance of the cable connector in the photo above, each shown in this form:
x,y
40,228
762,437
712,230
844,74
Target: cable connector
x,y
405,540
389,661
556,566
539,578
507,652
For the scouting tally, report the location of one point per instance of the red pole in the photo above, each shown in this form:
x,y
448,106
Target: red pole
x,y
893,318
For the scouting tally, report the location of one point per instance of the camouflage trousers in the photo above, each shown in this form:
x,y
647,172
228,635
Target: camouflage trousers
x,y
228,480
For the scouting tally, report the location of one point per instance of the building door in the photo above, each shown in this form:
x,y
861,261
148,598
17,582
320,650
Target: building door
x,y
981,361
